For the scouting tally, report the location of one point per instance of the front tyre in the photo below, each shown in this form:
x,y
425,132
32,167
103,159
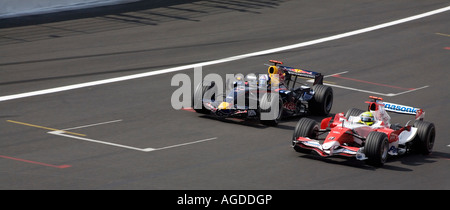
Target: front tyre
x,y
268,116
197,99
305,128
376,148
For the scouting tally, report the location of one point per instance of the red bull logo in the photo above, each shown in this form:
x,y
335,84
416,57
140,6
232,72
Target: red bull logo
x,y
301,71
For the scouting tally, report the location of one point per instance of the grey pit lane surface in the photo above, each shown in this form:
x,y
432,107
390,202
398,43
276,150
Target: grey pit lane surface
x,y
244,155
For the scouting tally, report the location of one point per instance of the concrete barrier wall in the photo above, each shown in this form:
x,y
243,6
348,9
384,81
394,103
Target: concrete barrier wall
x,y
14,8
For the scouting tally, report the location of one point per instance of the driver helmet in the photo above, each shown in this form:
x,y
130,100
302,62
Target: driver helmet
x,y
264,79
367,118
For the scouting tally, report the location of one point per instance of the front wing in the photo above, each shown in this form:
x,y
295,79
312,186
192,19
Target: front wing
x,y
329,148
225,113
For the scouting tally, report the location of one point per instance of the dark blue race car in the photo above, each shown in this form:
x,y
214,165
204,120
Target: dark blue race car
x,y
250,97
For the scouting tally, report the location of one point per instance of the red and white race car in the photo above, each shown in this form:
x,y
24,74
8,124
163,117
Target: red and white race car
x,y
349,135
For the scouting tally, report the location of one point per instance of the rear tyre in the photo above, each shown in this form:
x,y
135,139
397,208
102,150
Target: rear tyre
x,y
424,140
323,100
305,128
197,99
376,148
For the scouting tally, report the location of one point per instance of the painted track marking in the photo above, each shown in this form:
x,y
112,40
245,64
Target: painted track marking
x,y
223,60
61,133
338,75
368,82
43,127
91,125
78,136
35,162
441,34
376,93
149,149
184,144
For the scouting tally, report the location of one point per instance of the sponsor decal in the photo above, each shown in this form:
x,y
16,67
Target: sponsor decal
x,y
301,71
294,70
400,108
290,106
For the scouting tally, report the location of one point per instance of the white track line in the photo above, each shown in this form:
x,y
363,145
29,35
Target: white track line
x,y
91,125
344,72
224,60
61,133
360,90
396,94
366,91
376,93
184,144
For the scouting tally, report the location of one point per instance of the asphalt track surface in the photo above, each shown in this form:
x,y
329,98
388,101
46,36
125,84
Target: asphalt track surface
x,y
112,125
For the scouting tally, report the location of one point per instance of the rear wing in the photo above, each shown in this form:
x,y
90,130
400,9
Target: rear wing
x,y
391,107
290,71
402,109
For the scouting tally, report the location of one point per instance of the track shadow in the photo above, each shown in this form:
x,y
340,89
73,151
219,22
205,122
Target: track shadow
x,y
123,16
120,9
409,160
245,122
337,160
99,55
415,159
257,124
